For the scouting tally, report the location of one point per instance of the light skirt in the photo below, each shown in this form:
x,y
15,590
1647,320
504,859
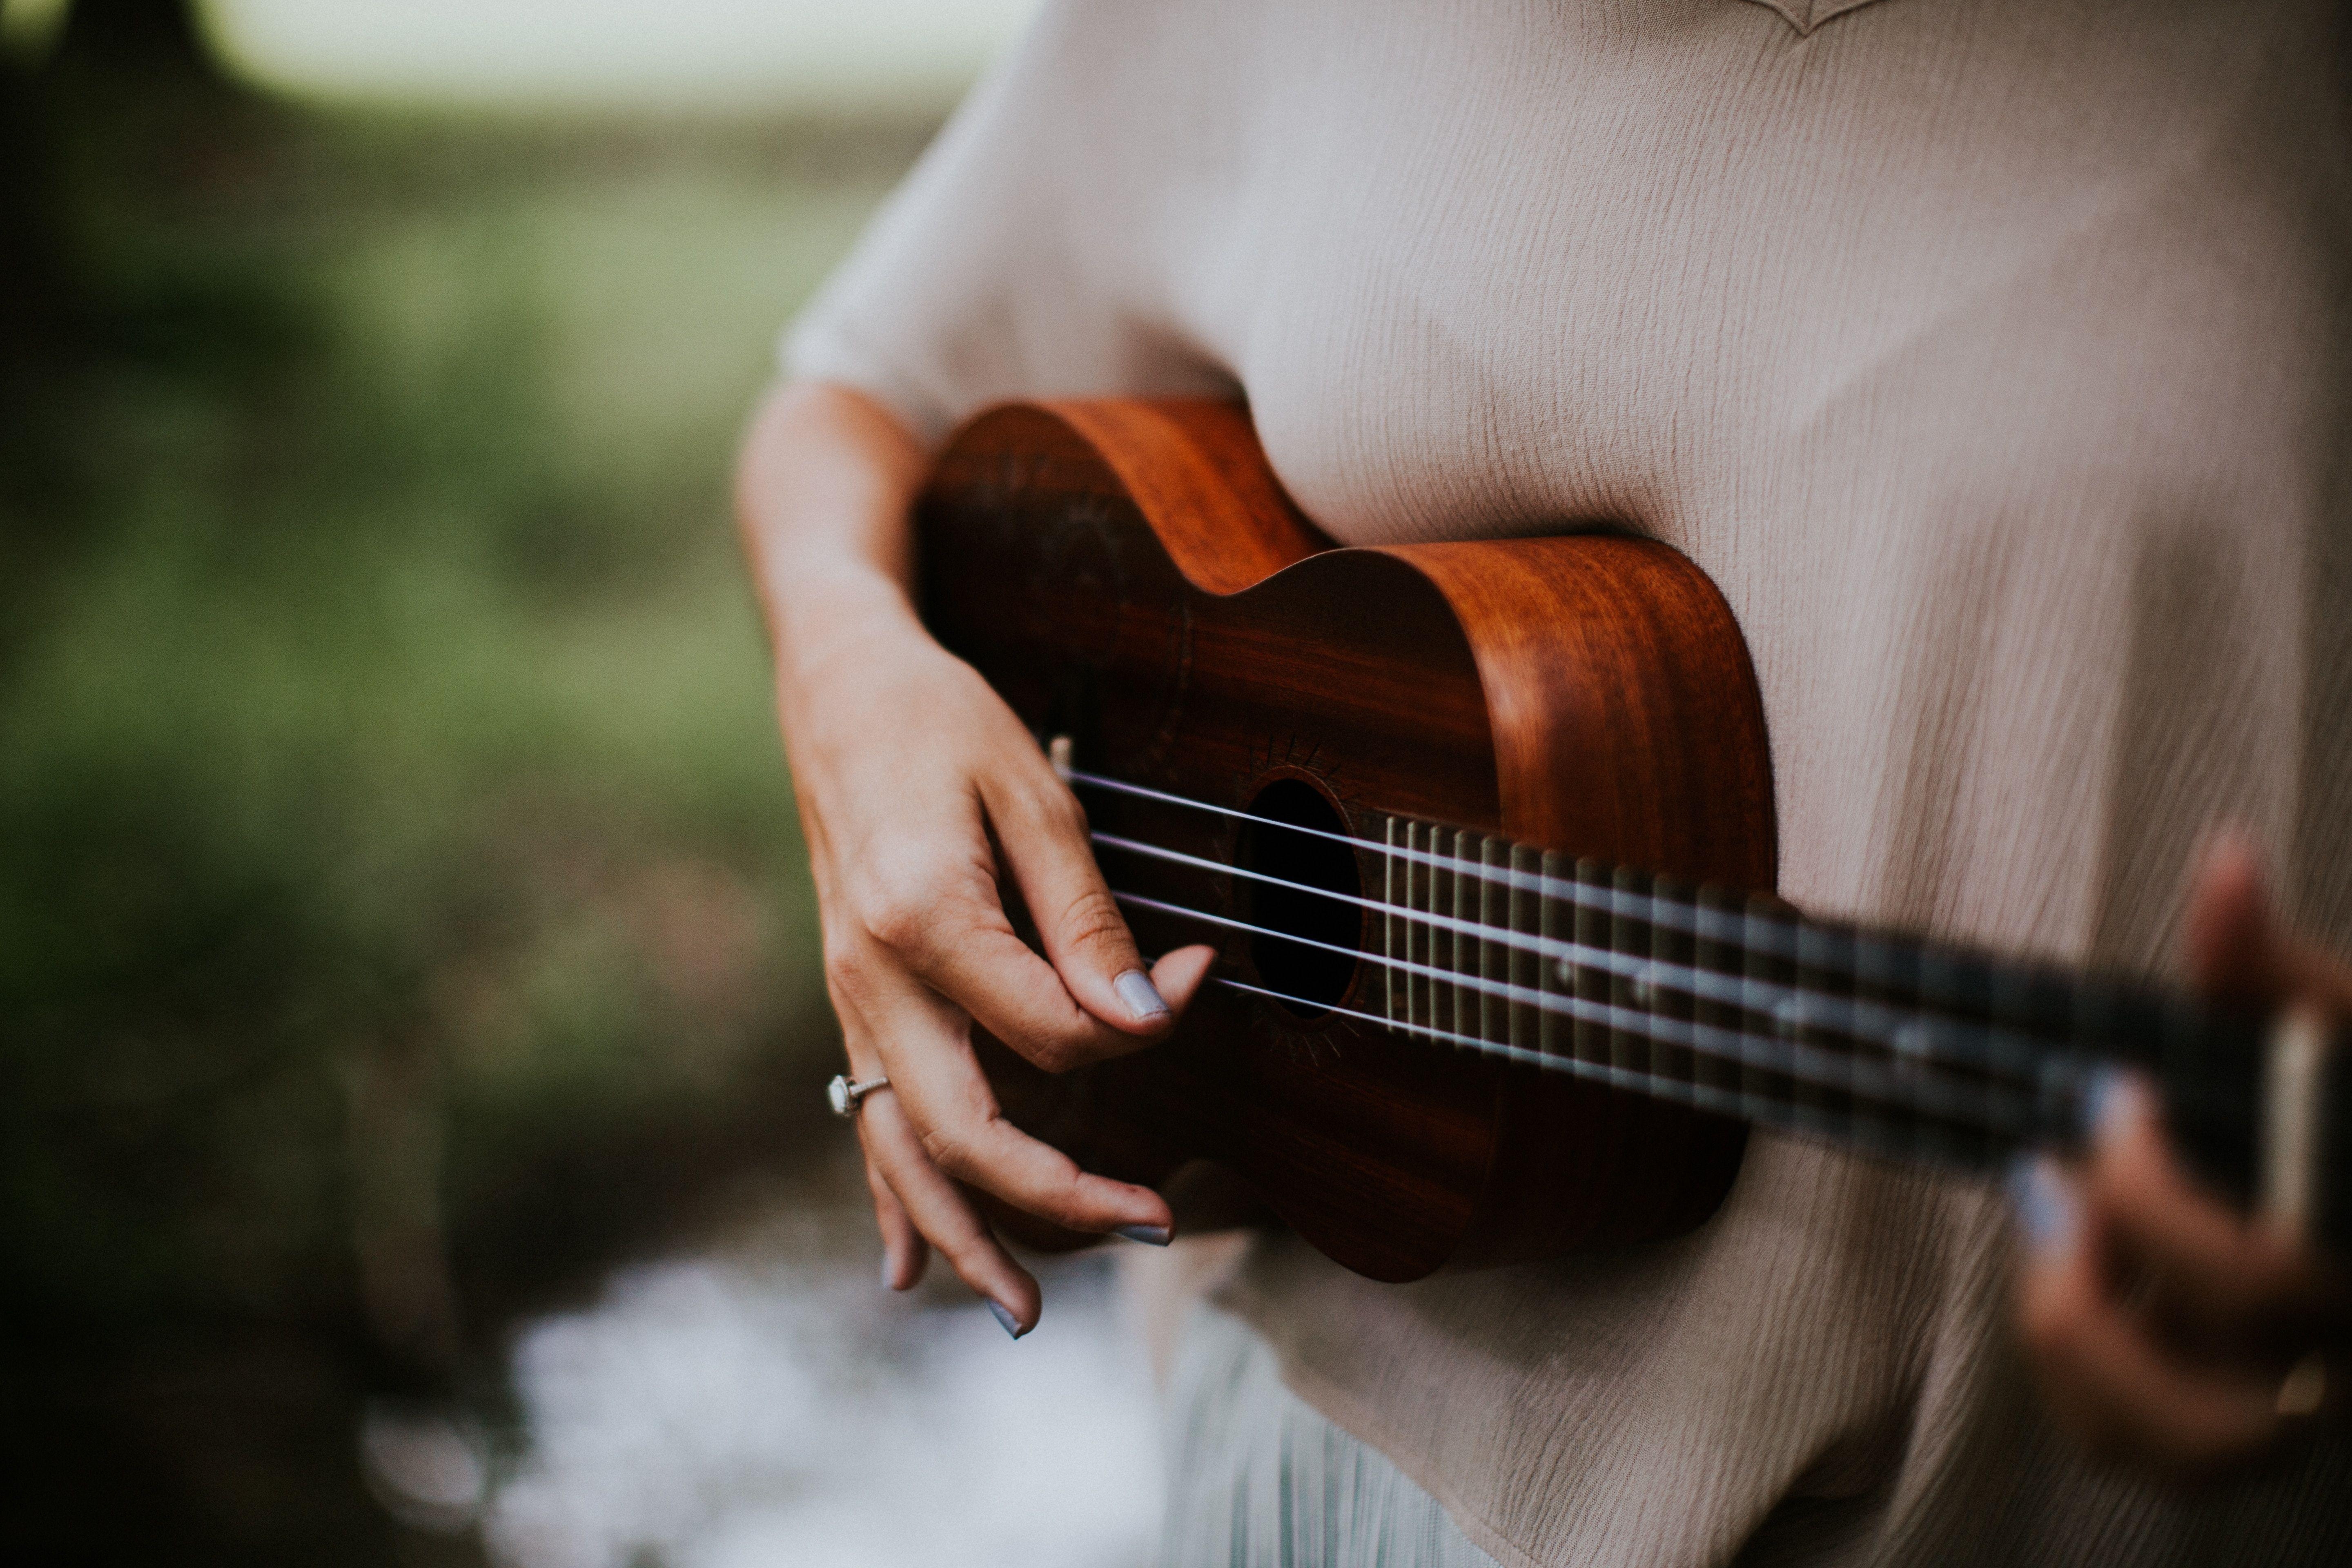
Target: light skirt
x,y
1258,1479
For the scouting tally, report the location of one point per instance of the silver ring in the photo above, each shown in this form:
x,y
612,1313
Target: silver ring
x,y
844,1092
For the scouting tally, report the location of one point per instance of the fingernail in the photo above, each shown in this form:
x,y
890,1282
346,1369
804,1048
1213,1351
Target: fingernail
x,y
2111,1102
2046,1206
889,1273
1149,1235
1141,996
1012,1325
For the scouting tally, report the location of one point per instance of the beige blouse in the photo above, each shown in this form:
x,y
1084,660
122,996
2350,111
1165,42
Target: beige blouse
x,y
1991,356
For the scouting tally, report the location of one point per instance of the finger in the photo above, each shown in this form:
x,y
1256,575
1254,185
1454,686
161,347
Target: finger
x,y
2241,1287
964,1133
931,910
924,1046
1180,973
1044,832
2106,1376
903,1251
1025,1000
943,1215
2235,949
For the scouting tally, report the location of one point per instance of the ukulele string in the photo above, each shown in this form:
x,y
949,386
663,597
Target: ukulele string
x,y
1875,1132
1913,1036
2004,1110
1779,931
1767,934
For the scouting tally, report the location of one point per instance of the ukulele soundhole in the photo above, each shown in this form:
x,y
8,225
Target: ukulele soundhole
x,y
1310,881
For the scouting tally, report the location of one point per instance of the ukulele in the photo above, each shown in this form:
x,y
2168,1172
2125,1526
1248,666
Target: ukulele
x,y
1483,832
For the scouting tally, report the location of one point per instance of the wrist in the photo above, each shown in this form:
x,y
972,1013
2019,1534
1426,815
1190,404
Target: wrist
x,y
850,617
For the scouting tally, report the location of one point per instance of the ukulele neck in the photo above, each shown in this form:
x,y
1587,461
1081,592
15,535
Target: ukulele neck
x,y
1875,1039
1740,1005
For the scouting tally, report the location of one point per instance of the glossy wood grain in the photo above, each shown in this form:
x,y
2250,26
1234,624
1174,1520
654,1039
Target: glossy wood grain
x,y
1131,575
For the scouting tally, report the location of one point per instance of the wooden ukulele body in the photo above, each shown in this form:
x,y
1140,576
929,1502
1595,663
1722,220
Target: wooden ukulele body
x,y
1130,573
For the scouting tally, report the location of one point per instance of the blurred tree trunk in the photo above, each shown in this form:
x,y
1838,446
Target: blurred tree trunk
x,y
152,40
35,309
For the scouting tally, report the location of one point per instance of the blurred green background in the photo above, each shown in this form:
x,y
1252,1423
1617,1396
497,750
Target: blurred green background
x,y
401,912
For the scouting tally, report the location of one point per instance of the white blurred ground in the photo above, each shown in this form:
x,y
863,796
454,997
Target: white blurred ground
x,y
773,1413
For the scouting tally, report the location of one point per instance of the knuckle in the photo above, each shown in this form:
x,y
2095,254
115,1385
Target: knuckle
x,y
899,901
951,1148
1091,921
1068,1048
1055,1055
970,1259
1061,814
1045,804
1065,1202
843,968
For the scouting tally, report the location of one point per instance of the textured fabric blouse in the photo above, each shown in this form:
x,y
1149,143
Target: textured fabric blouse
x,y
1990,354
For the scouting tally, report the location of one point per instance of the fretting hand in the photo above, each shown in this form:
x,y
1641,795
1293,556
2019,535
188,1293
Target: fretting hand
x,y
2167,1331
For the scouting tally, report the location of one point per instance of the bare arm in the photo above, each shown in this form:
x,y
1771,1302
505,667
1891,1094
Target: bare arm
x,y
905,762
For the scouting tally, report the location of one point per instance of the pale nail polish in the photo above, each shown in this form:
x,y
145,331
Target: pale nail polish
x,y
890,1274
2047,1209
1010,1324
2113,1099
1149,1235
1141,996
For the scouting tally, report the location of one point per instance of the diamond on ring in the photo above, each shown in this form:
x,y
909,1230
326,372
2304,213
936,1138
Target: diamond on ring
x,y
844,1092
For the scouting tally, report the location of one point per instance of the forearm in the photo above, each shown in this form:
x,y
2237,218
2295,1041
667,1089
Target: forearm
x,y
822,488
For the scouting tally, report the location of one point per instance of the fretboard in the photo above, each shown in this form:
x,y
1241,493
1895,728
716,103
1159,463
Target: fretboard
x,y
1740,1005
1734,1004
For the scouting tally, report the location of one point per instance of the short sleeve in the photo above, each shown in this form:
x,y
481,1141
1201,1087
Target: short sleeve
x,y
1017,258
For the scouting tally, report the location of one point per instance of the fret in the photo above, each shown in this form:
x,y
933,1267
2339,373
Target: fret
x,y
1555,1033
1445,941
2033,1001
1957,988
1672,945
1495,957
1825,978
1591,985
1527,966
1466,944
1393,869
1716,951
1886,972
1418,878
1445,937
2037,1003
1766,974
1630,935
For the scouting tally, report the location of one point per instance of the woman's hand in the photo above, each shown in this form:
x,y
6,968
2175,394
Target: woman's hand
x,y
922,796
2167,1331
907,766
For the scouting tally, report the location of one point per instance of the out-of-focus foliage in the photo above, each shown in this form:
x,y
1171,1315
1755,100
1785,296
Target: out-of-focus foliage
x,y
401,906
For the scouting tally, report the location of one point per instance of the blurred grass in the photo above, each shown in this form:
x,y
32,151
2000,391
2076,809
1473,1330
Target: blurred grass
x,y
401,912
